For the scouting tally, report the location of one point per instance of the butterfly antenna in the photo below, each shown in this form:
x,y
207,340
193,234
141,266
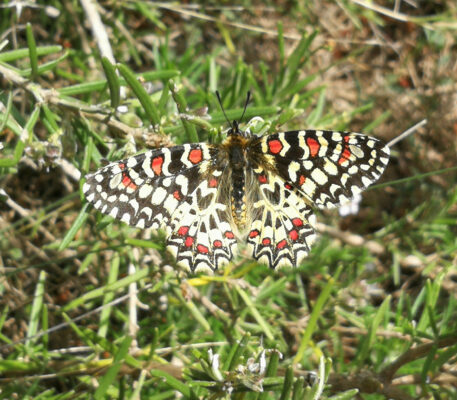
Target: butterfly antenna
x,y
248,97
222,108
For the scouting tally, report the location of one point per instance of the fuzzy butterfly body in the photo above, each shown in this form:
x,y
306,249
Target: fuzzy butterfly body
x,y
258,189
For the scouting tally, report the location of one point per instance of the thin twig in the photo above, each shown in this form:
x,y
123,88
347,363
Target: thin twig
x,y
132,303
351,239
407,133
98,29
100,34
385,11
270,32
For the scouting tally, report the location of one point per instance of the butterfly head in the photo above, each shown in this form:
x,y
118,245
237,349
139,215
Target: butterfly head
x,y
234,127
235,130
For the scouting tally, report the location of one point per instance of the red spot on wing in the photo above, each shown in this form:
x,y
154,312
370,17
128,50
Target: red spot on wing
x,y
183,230
229,235
212,183
177,195
266,241
288,186
189,241
253,233
127,181
301,180
297,222
281,244
346,138
275,146
217,243
263,179
202,249
313,145
344,156
195,156
156,165
293,234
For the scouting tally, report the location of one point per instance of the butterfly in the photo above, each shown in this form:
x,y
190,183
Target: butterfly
x,y
257,189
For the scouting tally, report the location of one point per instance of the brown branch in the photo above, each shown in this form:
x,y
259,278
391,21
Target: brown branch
x,y
384,382
366,382
413,354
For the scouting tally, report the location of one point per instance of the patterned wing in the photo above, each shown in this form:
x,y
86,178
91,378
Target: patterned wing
x,y
327,167
171,188
200,236
282,230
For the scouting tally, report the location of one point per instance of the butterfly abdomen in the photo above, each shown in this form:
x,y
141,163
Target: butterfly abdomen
x,y
235,146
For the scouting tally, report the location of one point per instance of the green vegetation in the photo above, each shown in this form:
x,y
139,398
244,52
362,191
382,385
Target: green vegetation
x,y
90,308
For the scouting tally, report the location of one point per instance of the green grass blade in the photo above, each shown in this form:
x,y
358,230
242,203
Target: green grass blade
x,y
236,350
32,51
288,383
172,382
315,115
163,101
4,115
111,375
23,139
270,372
212,75
18,54
347,395
140,92
317,311
37,304
103,327
255,313
43,68
298,389
147,244
113,82
193,309
79,221
380,315
178,97
99,292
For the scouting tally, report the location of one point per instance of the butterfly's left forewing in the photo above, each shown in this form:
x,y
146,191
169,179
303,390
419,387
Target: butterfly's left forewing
x,y
174,189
